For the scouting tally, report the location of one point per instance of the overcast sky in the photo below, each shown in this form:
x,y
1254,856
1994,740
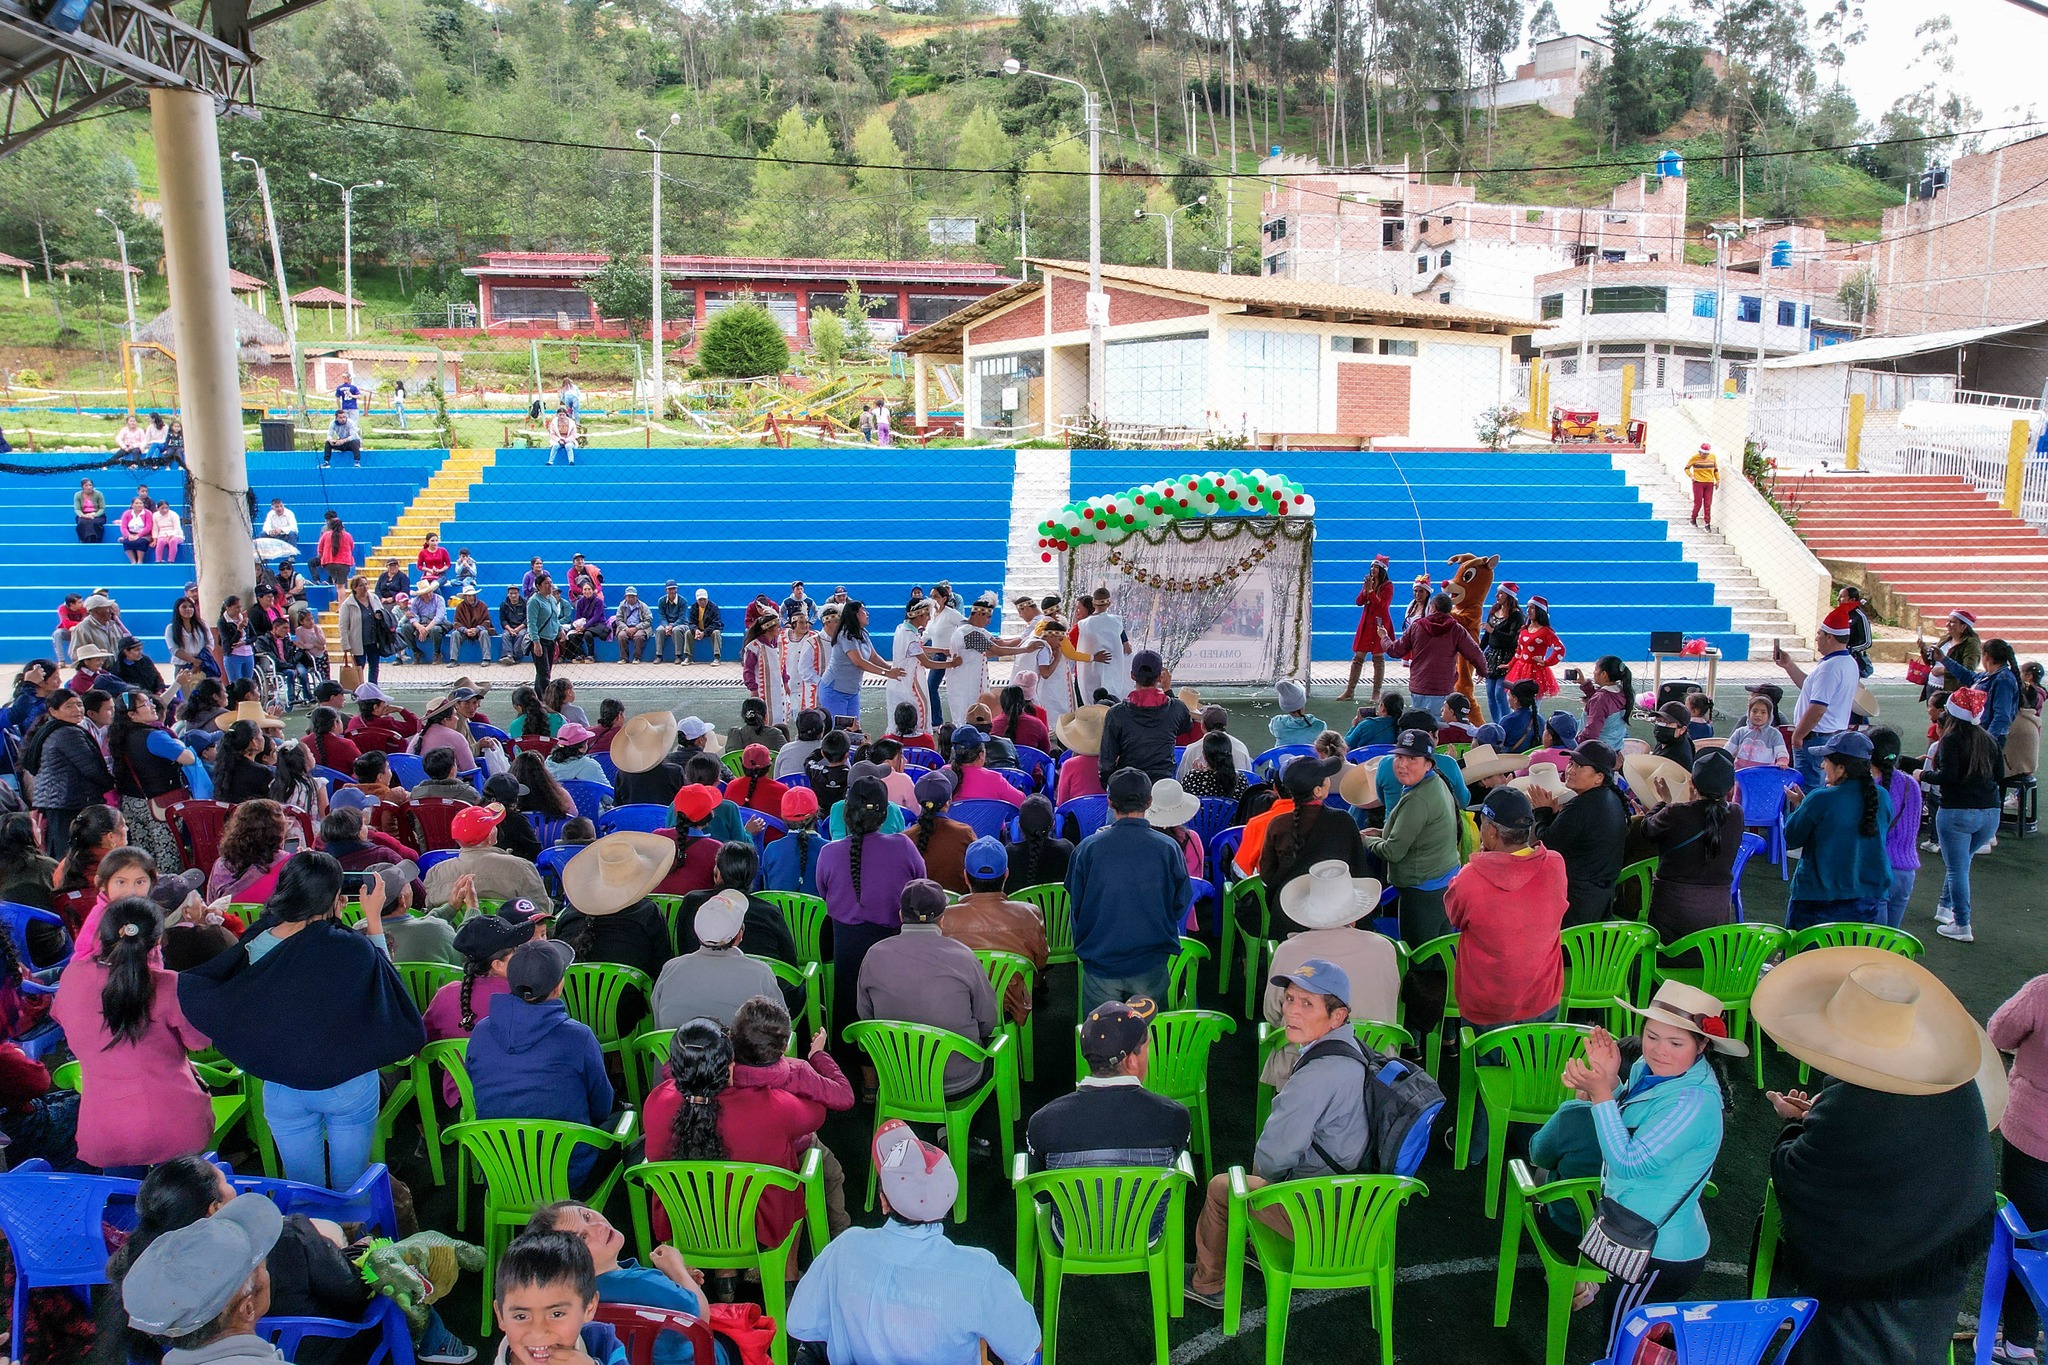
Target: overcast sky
x,y
1998,52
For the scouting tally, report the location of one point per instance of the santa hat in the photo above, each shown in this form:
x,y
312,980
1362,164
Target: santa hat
x,y
1837,622
1422,579
1706,448
1968,703
1968,618
1539,600
1380,561
1511,589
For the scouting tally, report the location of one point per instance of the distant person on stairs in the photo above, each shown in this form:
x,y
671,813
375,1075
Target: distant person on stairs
x,y
562,435
1705,473
342,434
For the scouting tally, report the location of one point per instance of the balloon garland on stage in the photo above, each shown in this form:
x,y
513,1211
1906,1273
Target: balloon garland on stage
x,y
1112,516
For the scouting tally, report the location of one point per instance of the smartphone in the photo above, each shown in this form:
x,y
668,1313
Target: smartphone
x,y
1571,675
355,883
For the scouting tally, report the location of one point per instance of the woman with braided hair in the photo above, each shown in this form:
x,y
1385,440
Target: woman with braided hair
x,y
486,943
754,789
791,862
1844,873
1037,858
861,878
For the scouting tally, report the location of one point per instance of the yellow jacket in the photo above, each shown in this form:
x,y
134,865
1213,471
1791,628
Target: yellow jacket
x,y
1703,468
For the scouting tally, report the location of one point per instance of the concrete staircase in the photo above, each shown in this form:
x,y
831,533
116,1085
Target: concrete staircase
x,y
1756,611
1044,486
434,507
1936,543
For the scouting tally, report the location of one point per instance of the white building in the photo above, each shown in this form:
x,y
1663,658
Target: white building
x,y
1556,74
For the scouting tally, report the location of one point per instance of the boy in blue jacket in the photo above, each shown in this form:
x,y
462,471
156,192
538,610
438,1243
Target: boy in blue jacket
x,y
546,1300
528,1059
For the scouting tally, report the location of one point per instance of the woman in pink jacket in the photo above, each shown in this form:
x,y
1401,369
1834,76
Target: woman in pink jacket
x,y
139,1101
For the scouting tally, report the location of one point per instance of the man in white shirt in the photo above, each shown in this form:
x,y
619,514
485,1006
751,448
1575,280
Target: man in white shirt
x,y
279,523
1827,693
1102,631
938,635
1214,718
972,646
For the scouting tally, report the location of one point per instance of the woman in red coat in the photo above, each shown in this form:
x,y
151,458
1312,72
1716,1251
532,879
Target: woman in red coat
x,y
1375,627
1537,651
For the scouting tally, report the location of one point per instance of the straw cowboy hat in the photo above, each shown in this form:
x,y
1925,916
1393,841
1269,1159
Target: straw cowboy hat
x,y
616,871
1878,1020
1329,897
644,741
1081,729
1358,784
1190,699
1546,777
1483,760
1865,703
253,711
1693,1010
1642,771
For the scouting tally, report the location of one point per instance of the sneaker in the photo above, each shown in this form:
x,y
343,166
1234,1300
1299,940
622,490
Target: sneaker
x,y
1207,1298
1987,847
455,1353
1959,932
2006,1353
1929,846
1944,915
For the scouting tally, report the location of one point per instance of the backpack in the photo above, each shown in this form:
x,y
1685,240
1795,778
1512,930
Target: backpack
x,y
1401,1105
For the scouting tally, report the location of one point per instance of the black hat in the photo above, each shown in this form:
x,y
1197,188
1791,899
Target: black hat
x,y
1415,743
1115,1029
1303,775
1713,773
483,937
1510,809
537,968
1146,666
922,900
1129,789
1413,719
1595,755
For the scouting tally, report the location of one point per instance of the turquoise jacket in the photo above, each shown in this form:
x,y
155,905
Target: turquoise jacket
x,y
1839,862
544,617
1655,1145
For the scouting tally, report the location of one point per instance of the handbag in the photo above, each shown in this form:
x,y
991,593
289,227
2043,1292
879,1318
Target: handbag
x,y
1619,1240
1917,671
351,677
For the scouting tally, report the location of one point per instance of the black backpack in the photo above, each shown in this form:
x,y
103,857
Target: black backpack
x,y
1401,1105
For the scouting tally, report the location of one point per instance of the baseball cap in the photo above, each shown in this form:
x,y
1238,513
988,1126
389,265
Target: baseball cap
x,y
572,733
1509,808
1303,775
720,919
1129,789
923,898
1565,726
1115,1029
483,937
187,1277
968,737
352,798
473,824
797,803
1595,755
987,858
690,727
756,756
1320,975
1848,744
537,967
934,788
697,801
396,877
371,692
1146,666
1415,744
917,1179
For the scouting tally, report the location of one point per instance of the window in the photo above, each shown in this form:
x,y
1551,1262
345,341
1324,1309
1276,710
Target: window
x,y
539,305
1553,306
1444,261
1613,257
1276,230
1159,381
1788,313
834,301
1749,308
1447,220
1806,315
1628,298
1002,388
1422,265
925,309
1622,348
1275,379
1345,345
1389,346
1703,303
1444,297
1699,374
781,306
1390,233
1276,264
1568,365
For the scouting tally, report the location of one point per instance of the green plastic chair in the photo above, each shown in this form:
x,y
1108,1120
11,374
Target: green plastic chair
x,y
1639,875
711,1208
1442,950
452,1056
1344,1229
596,994
1002,969
732,763
806,977
525,1164
1183,973
671,907
425,979
805,917
1526,1086
1732,958
1056,908
1561,1277
1233,933
1182,1041
1601,963
1105,1216
1853,935
1372,1035
1770,1228
910,1071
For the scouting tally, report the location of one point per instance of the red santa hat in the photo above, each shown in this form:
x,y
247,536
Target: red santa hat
x,y
1968,703
1706,448
1511,589
1381,561
1968,618
1539,600
1837,622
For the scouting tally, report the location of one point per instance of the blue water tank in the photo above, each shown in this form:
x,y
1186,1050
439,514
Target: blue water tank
x,y
1275,151
1670,163
1781,255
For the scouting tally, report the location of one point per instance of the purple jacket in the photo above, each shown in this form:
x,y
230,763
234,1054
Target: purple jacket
x,y
589,612
887,861
1432,646
1902,840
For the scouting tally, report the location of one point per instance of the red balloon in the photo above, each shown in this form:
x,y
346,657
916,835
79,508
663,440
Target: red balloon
x,y
1299,499
1211,497
1130,521
1183,502
1046,557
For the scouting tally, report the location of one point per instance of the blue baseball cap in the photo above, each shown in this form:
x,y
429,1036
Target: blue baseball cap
x,y
986,859
1848,744
1319,975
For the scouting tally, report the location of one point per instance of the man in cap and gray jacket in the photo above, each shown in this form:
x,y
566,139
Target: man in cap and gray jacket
x,y
201,1288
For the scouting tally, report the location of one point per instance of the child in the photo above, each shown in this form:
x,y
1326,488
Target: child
x,y
546,1296
1456,727
1521,727
668,1283
579,830
1701,708
1758,743
311,640
1902,838
1378,724
1294,725
903,726
791,862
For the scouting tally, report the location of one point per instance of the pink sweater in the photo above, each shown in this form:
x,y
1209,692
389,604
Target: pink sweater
x,y
2021,1027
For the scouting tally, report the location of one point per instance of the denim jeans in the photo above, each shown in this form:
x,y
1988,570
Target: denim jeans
x,y
240,666
1893,915
1496,699
1804,914
1098,989
1961,833
1806,759
1433,705
567,448
324,1136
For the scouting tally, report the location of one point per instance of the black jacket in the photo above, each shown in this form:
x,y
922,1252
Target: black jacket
x,y
1107,1125
1141,737
1588,832
70,773
635,937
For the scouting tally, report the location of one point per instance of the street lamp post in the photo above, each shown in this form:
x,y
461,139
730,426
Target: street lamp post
x,y
284,298
1722,233
348,240
127,284
1098,302
1140,215
654,261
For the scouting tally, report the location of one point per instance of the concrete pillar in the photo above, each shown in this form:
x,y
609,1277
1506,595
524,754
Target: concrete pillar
x,y
920,387
1852,444
209,388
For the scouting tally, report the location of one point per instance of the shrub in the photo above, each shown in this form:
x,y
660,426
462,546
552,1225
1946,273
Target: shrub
x,y
743,342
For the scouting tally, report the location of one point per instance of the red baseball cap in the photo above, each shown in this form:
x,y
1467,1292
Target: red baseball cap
x,y
799,802
695,803
474,825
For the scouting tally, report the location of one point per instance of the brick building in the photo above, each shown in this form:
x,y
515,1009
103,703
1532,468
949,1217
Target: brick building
x,y
1970,250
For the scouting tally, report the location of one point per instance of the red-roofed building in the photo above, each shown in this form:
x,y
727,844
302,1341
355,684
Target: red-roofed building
x,y
17,266
543,290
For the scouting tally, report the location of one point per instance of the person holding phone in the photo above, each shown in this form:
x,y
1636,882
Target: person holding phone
x,y
1827,692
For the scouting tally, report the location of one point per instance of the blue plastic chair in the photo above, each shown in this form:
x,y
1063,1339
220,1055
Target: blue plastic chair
x,y
1364,753
930,758
334,780
644,816
1086,814
1038,763
54,1227
1752,844
17,917
366,1201
383,1317
551,862
2015,1254
546,830
1733,1332
984,817
1269,763
1214,817
800,780
1222,849
1763,807
1017,778
435,855
604,761
46,1037
772,828
482,731
406,770
588,796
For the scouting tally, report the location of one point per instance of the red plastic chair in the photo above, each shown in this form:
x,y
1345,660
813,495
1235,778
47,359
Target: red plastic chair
x,y
73,906
435,816
306,826
534,744
202,823
639,1328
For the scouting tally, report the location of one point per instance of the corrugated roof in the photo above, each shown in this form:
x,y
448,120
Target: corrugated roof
x,y
243,283
1894,348
580,264
1260,293
8,262
320,295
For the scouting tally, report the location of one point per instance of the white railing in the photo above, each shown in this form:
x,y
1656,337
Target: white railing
x,y
1981,399
1974,452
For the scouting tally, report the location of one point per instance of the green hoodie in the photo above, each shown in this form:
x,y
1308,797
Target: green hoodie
x,y
1420,840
